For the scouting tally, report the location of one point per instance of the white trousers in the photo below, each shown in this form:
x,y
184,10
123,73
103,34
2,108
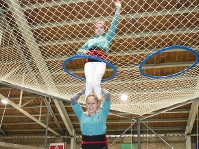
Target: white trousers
x,y
94,71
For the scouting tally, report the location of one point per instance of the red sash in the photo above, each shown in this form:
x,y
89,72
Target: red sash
x,y
97,53
97,142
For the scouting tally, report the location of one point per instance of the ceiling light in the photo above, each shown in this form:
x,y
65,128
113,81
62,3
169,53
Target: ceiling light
x,y
4,101
124,97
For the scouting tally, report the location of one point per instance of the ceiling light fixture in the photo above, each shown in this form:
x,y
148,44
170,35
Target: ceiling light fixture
x,y
4,101
124,97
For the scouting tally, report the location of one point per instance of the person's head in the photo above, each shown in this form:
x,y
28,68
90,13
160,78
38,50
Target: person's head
x,y
100,28
91,103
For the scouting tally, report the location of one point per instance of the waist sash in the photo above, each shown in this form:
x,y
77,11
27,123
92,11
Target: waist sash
x,y
96,53
94,141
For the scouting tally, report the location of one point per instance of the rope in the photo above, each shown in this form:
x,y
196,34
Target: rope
x,y
131,135
46,134
4,110
197,131
147,135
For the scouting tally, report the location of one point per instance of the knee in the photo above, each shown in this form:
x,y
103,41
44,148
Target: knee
x,y
89,84
96,84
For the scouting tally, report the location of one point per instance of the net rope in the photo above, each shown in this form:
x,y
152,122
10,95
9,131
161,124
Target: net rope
x,y
37,36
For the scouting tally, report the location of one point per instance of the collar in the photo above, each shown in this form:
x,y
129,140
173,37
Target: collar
x,y
97,36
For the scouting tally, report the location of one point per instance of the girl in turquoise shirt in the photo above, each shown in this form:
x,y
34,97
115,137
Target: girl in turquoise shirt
x,y
98,46
93,125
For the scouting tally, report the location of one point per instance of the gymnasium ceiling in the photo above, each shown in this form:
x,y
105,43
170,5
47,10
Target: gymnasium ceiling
x,y
37,36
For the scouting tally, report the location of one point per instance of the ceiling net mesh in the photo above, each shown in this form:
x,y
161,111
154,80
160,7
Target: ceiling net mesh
x,y
38,36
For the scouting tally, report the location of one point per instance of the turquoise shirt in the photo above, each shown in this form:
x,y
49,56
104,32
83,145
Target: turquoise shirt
x,y
92,125
102,41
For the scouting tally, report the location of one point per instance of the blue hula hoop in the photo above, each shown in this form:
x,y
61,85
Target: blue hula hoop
x,y
165,49
90,57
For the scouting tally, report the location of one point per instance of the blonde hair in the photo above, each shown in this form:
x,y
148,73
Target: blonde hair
x,y
94,95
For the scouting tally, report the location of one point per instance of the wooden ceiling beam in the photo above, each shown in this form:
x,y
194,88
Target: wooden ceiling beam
x,y
126,16
28,36
27,114
163,120
51,4
54,117
12,145
72,113
2,131
126,36
118,129
192,117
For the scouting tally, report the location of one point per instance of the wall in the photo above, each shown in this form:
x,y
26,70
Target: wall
x,y
146,143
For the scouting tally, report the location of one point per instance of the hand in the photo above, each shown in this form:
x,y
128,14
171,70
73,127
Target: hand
x,y
83,52
98,109
118,4
86,113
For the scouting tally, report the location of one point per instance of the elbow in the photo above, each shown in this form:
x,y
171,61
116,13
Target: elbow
x,y
108,97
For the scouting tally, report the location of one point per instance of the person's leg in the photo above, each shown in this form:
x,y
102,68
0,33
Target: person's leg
x,y
100,68
89,69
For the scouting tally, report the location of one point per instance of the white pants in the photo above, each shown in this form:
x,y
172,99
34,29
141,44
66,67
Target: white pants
x,y
94,71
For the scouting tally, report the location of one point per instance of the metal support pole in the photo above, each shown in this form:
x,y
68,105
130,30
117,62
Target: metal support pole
x,y
46,134
121,135
138,133
158,135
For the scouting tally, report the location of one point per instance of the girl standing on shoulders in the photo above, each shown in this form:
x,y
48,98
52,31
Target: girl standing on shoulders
x,y
98,47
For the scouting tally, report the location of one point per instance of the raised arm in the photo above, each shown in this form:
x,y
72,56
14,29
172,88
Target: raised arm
x,y
111,32
76,107
118,6
107,103
74,99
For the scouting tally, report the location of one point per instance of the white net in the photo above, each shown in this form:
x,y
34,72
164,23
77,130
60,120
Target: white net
x,y
38,35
